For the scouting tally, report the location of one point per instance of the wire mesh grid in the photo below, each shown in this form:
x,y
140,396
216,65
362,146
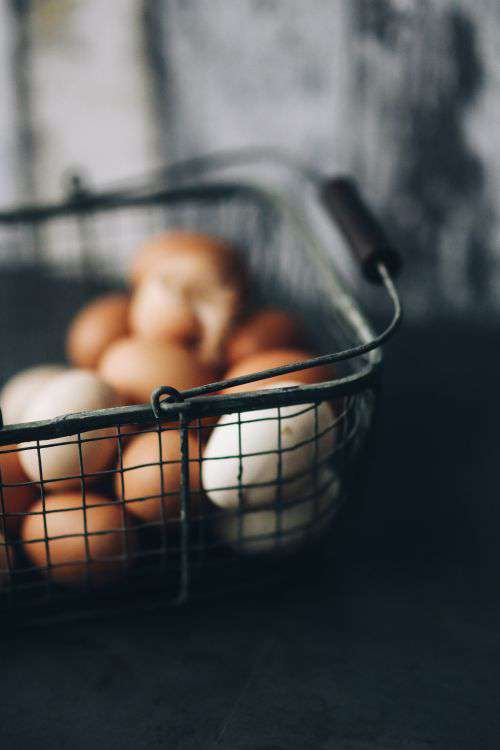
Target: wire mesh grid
x,y
163,515
167,522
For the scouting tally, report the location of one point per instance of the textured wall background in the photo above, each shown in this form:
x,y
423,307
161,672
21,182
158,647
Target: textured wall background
x,y
403,93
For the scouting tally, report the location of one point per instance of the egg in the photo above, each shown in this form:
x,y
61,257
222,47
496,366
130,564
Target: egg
x,y
282,529
55,542
6,562
245,459
72,391
159,311
135,367
142,476
14,500
96,326
277,358
23,386
266,329
155,256
190,289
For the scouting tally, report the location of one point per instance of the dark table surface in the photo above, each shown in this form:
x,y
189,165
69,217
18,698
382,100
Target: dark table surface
x,y
394,643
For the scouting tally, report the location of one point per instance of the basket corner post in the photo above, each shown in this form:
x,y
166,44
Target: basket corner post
x,y
185,512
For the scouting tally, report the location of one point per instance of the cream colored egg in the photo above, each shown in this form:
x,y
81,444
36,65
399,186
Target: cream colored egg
x,y
22,388
72,391
179,254
245,461
283,530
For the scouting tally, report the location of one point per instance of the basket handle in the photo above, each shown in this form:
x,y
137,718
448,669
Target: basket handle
x,y
366,238
379,262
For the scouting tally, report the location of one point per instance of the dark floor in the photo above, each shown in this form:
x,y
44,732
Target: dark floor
x,y
394,645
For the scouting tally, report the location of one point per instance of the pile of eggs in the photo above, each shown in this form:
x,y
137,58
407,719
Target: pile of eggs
x,y
75,506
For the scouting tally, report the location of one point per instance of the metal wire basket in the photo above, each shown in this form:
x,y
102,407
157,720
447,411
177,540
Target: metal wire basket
x,y
56,256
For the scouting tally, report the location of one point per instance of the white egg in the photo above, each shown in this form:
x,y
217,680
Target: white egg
x,y
23,387
286,529
244,461
67,393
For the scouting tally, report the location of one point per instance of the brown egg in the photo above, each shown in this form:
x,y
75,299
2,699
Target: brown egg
x,y
155,256
13,500
95,327
141,477
134,367
110,539
266,329
189,289
159,313
277,358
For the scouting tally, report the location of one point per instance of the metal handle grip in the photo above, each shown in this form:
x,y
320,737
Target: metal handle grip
x,y
366,238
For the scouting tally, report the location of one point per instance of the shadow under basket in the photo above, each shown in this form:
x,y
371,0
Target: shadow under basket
x,y
194,536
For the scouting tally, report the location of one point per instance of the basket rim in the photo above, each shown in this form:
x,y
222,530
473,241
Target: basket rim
x,y
190,409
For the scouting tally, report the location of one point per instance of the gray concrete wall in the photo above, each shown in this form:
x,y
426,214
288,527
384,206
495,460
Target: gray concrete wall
x,y
403,93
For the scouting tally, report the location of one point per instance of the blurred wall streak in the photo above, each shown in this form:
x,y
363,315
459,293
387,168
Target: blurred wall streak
x,y
425,74
11,187
90,91
258,71
403,93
